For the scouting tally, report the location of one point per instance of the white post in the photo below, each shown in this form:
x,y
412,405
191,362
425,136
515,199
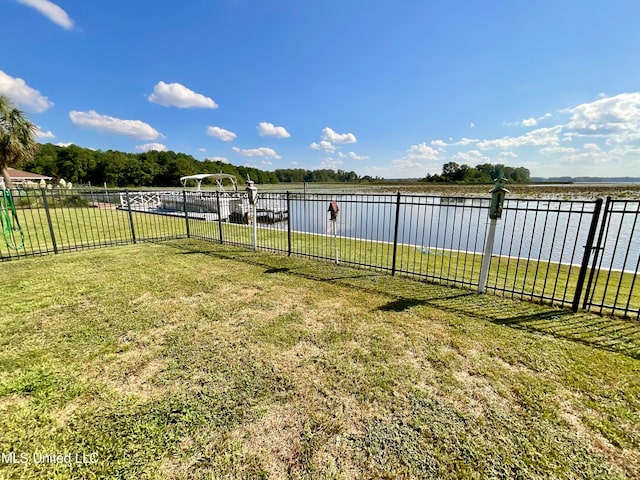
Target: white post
x,y
335,240
486,259
254,209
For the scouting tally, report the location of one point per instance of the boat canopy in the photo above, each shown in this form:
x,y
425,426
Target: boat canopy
x,y
219,178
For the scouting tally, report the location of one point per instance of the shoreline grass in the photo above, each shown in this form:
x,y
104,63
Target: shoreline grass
x,y
195,360
80,228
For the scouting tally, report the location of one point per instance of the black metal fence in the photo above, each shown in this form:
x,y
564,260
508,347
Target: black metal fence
x,y
567,253
55,221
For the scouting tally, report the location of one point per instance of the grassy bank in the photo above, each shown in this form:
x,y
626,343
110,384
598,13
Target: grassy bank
x,y
77,228
192,360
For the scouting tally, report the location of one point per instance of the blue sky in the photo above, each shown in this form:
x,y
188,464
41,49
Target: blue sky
x,y
393,89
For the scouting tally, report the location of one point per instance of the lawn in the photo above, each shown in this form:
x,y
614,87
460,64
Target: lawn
x,y
194,360
83,227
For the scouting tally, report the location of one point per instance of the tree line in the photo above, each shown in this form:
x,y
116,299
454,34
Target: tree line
x,y
154,168
485,173
83,166
120,169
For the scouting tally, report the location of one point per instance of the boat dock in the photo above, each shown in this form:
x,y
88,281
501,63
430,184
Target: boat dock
x,y
209,206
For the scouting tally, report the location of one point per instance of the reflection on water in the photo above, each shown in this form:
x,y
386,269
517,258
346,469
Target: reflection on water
x,y
541,230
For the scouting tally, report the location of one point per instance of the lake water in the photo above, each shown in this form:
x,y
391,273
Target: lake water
x,y
546,230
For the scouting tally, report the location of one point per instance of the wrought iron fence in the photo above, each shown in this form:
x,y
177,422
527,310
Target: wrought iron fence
x,y
567,253
613,284
55,221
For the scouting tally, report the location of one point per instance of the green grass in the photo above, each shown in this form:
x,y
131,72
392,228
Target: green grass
x,y
527,279
83,227
76,228
194,360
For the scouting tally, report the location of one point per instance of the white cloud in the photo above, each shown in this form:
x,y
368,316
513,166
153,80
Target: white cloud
x,y
323,145
413,163
64,144
422,152
266,129
406,164
257,152
466,141
473,157
617,117
152,146
597,136
330,163
221,134
472,125
202,149
463,141
266,162
355,156
622,150
104,123
42,134
50,10
528,122
590,157
177,95
556,150
538,137
294,163
339,138
17,90
218,159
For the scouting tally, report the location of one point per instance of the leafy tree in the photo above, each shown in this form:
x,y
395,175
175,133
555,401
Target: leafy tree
x,y
17,138
450,170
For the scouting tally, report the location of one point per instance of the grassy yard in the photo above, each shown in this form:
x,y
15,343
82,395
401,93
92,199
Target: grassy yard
x,y
193,360
83,227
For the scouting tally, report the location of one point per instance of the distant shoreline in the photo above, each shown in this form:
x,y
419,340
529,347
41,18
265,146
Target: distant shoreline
x,y
587,180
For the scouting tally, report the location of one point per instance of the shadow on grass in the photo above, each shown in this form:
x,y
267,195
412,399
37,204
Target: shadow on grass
x,y
401,305
277,270
606,333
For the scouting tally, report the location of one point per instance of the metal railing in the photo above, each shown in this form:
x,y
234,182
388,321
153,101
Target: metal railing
x,y
566,253
55,221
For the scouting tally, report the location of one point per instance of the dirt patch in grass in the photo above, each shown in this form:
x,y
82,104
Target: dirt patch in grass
x,y
276,439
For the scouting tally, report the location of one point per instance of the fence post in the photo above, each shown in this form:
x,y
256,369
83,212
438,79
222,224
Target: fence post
x,y
186,214
288,224
220,215
597,248
254,209
45,202
486,258
395,235
133,230
587,255
495,212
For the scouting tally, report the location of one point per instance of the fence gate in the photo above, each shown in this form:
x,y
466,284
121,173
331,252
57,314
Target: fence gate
x,y
614,284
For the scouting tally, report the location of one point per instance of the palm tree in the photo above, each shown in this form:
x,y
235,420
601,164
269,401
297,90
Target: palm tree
x,y
17,138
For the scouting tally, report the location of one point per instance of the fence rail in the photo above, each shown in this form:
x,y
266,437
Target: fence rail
x,y
566,253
